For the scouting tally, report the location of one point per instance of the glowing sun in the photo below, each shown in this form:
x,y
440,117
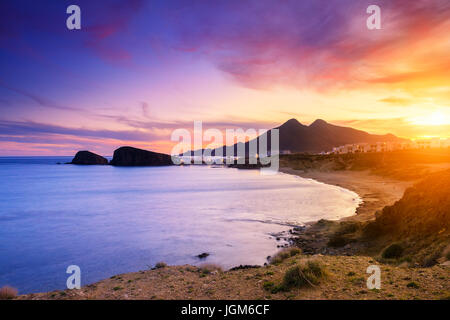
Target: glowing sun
x,y
437,118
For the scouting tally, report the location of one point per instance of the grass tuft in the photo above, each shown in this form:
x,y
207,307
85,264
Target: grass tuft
x,y
301,276
284,254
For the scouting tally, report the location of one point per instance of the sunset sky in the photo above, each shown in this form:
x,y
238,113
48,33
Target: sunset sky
x,y
137,70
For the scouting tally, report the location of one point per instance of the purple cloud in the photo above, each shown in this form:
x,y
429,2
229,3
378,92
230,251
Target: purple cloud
x,y
300,43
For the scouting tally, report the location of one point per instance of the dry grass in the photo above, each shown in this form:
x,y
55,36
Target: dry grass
x,y
7,293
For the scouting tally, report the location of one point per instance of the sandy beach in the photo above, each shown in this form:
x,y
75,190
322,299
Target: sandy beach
x,y
375,191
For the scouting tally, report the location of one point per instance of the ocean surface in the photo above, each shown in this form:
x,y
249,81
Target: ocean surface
x,y
111,220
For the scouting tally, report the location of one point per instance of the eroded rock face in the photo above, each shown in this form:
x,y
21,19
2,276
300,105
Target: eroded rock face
x,y
88,158
129,156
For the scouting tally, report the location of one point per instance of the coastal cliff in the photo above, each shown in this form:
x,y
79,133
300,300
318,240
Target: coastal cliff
x,y
88,158
130,157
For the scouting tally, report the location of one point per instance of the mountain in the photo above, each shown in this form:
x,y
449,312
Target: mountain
x,y
323,136
317,137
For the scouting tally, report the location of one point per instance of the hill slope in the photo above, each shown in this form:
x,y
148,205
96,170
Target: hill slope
x,y
419,222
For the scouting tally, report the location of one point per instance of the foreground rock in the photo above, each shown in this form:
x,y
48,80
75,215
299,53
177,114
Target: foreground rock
x,y
129,157
88,158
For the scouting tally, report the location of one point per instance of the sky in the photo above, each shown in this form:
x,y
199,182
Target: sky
x,y
137,70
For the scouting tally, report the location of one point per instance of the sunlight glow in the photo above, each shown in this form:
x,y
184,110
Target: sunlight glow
x,y
437,118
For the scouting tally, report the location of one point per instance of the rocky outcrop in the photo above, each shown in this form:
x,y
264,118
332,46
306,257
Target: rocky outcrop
x,y
129,156
88,158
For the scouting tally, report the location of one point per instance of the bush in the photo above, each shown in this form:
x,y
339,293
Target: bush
x,y
160,265
308,275
394,251
268,285
284,254
7,293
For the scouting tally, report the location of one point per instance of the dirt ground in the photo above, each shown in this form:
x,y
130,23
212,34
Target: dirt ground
x,y
346,279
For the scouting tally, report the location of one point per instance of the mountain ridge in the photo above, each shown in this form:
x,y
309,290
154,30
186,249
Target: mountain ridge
x,y
319,136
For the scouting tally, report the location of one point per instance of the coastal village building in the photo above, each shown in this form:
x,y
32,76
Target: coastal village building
x,y
391,146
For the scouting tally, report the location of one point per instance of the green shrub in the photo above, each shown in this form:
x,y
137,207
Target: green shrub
x,y
303,276
394,251
268,285
447,255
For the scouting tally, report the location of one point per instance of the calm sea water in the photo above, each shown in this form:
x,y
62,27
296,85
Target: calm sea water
x,y
111,220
